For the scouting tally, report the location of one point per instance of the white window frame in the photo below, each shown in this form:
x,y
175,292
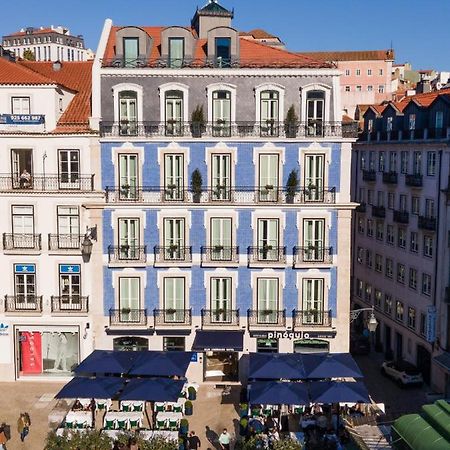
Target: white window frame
x,y
270,87
163,89
118,88
221,87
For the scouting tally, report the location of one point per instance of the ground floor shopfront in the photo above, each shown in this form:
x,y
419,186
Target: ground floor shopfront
x,y
42,351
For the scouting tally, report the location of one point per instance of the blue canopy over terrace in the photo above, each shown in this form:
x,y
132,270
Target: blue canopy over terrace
x,y
152,389
278,393
99,387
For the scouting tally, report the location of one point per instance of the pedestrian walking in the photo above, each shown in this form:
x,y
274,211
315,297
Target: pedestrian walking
x,y
225,439
23,425
193,441
3,438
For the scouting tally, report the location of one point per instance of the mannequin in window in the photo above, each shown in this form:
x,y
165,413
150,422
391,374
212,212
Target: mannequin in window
x,y
61,355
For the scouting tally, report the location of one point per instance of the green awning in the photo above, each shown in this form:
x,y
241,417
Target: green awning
x,y
438,418
418,434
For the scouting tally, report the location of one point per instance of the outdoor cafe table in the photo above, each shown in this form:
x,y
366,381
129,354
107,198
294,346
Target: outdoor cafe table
x,y
80,417
122,415
169,416
151,434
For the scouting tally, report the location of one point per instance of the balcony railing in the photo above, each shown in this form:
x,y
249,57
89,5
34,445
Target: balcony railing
x,y
70,304
172,317
369,175
127,254
437,133
173,254
408,135
23,303
127,317
427,223
311,318
21,241
45,183
220,195
378,211
313,255
390,177
65,241
220,254
414,180
401,216
274,129
220,317
266,254
267,317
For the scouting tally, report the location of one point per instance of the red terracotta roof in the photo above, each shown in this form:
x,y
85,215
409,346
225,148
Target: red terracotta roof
x,y
75,76
259,33
252,53
35,31
358,55
13,73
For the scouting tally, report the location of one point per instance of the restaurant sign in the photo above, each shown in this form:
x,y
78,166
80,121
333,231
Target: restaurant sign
x,y
22,119
293,335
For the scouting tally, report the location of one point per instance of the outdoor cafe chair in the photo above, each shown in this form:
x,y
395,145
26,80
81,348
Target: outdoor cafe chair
x,y
159,407
135,423
178,408
138,407
110,424
174,424
161,424
70,425
81,425
122,424
125,407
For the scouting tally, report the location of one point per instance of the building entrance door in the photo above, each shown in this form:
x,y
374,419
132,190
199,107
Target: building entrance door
x,y
423,362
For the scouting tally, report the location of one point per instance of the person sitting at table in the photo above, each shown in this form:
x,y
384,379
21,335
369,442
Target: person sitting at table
x,y
316,409
77,406
322,422
268,424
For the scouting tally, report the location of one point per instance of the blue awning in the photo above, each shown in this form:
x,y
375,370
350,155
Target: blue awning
x,y
161,364
330,365
107,361
100,387
276,366
337,392
278,393
152,389
219,341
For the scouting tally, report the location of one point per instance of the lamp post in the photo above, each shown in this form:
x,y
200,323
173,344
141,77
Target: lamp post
x,y
372,324
86,245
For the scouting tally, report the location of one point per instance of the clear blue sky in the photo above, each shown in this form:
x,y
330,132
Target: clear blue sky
x,y
419,29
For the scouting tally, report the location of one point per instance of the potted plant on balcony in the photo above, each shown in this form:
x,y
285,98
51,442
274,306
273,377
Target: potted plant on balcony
x,y
218,248
291,186
171,311
197,122
291,123
267,312
196,185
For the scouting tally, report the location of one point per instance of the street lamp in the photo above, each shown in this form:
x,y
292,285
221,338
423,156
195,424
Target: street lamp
x,y
372,324
86,245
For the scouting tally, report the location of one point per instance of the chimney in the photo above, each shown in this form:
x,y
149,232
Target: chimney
x,y
57,65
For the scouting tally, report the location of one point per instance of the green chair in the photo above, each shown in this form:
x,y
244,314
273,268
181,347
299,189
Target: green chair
x,y
69,425
101,406
122,424
125,408
161,424
159,407
135,423
81,425
173,425
110,424
178,408
137,407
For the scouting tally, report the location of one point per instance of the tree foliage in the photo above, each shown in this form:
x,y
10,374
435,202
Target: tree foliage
x,y
29,55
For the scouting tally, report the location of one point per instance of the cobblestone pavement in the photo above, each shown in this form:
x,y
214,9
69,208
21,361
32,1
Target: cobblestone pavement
x,y
34,398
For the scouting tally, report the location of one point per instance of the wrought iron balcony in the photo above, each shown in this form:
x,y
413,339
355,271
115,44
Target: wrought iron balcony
x,y
65,241
220,317
361,208
23,303
378,211
46,183
437,133
172,317
70,304
266,317
313,255
243,195
414,180
401,216
127,317
223,128
311,318
369,175
427,223
127,254
21,241
220,254
390,177
266,254
173,254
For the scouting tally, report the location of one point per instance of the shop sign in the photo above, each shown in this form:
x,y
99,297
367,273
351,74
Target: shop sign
x,y
431,323
24,268
31,352
72,268
4,329
22,119
194,357
293,335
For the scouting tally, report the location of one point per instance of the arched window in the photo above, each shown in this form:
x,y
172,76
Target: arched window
x,y
128,113
315,110
174,113
270,113
221,113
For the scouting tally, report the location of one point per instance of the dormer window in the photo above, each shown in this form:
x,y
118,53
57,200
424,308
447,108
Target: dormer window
x,y
130,51
389,124
176,52
439,123
412,121
223,52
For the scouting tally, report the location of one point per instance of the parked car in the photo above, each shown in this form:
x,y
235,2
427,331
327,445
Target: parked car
x,y
404,373
359,345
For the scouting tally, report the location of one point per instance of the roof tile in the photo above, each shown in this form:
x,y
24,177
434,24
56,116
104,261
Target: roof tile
x,y
358,55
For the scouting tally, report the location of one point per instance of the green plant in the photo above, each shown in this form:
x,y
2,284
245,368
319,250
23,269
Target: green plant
x,y
291,122
184,423
188,404
196,181
29,55
243,406
243,422
287,444
292,183
197,116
